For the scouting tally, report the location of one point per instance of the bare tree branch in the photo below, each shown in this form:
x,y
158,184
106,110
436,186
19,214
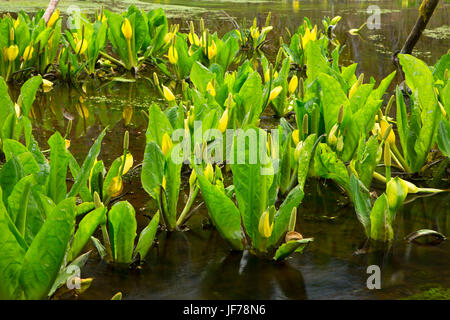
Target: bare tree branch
x,y
425,12
50,9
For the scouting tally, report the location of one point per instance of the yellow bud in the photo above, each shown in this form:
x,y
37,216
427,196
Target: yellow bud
x,y
209,172
332,139
168,94
194,39
168,37
127,31
53,18
166,144
296,136
192,178
115,187
267,76
396,191
212,50
18,110
384,125
210,89
275,92
81,47
163,184
12,52
28,53
293,84
223,122
340,144
173,55
128,162
48,84
265,227
67,143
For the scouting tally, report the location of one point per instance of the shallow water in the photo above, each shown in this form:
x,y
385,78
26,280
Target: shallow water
x,y
197,264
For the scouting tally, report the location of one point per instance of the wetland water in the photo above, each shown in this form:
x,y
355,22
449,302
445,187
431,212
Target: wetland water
x,y
197,264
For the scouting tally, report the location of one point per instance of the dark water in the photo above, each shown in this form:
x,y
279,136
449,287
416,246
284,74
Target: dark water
x,y
197,264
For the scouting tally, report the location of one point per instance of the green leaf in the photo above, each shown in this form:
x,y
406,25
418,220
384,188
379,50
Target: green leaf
x,y
158,124
288,248
251,182
122,230
332,98
10,174
152,169
201,76
380,220
172,190
361,200
283,215
86,229
18,202
304,160
86,168
45,255
147,237
443,138
28,94
6,105
11,257
224,214
59,160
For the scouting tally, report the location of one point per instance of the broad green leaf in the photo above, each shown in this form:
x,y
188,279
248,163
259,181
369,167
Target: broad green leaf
x,y
158,124
252,180
282,217
10,174
443,138
306,153
28,94
59,160
122,231
147,237
6,105
361,200
86,229
11,258
172,190
224,214
152,169
288,248
18,202
45,255
86,168
201,76
380,221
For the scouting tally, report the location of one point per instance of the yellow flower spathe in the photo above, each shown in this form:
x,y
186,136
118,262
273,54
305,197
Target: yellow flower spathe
x,y
173,55
28,53
12,52
293,84
81,47
55,16
127,31
212,50
275,92
166,144
223,122
168,94
210,88
310,35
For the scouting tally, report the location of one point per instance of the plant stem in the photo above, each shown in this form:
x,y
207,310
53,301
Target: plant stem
x,y
107,56
187,207
107,241
400,158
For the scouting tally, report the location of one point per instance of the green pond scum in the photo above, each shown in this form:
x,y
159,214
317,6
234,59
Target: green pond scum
x,y
161,156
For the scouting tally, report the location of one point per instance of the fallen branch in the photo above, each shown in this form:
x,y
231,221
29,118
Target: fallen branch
x,y
425,12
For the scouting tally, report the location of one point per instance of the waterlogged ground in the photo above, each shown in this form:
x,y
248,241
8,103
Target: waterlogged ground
x,y
196,264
